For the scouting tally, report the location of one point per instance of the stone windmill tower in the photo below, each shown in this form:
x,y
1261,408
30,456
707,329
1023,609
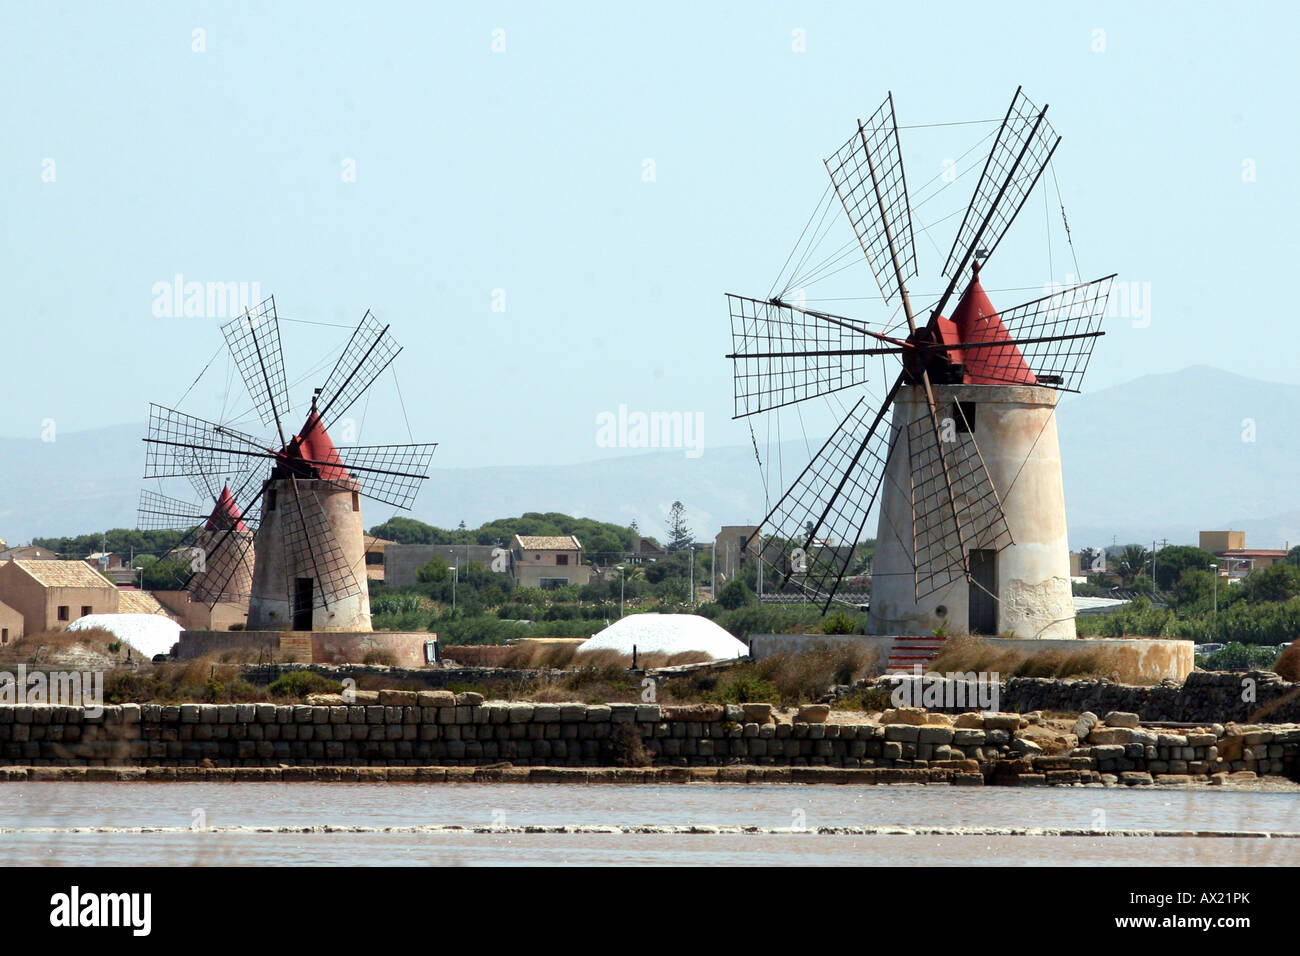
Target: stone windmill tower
x,y
965,477
308,567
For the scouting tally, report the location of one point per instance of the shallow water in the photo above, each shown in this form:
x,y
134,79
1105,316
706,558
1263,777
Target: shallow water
x,y
62,805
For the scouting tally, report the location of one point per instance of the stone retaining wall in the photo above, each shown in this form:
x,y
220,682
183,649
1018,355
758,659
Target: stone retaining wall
x,y
1204,697
438,728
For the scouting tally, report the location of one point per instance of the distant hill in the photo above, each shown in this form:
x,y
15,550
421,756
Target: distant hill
x,y
1159,457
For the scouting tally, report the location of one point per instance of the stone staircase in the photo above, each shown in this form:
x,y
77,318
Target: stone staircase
x,y
906,652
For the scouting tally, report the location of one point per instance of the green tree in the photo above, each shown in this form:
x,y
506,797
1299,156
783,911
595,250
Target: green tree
x,y
679,534
435,571
1293,556
1193,589
166,575
1173,560
1132,561
735,594
1281,582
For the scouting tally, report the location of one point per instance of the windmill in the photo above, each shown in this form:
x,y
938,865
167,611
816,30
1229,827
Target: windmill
x,y
965,479
308,569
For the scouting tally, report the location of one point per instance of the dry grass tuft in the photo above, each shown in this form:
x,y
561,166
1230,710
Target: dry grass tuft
x,y
967,653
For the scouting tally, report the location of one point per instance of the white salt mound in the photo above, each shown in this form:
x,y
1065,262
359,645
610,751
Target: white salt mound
x,y
666,634
149,634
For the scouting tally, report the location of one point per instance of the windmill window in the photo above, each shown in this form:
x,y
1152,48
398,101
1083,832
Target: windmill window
x,y
963,415
4,635
270,499
356,501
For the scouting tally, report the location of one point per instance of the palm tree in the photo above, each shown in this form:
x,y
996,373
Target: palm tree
x,y
1132,561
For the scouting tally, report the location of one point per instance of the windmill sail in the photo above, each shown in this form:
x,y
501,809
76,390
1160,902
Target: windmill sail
x,y
254,343
819,521
784,355
1024,146
369,351
868,175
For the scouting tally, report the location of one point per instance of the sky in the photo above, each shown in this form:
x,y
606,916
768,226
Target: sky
x,y
548,202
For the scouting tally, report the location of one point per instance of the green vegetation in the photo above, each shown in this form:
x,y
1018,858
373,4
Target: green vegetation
x,y
298,684
602,542
1240,657
116,540
165,575
1264,608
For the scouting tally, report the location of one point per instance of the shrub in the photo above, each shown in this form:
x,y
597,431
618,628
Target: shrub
x,y
839,623
380,656
1241,657
735,594
746,687
626,748
301,683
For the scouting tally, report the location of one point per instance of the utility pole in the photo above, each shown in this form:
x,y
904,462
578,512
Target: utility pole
x,y
692,598
713,572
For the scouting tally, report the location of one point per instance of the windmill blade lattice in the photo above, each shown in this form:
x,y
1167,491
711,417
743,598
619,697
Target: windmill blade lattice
x,y
1024,145
389,473
784,355
868,175
181,445
1057,333
158,512
369,351
254,343
826,507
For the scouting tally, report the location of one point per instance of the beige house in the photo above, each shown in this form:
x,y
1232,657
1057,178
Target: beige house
x,y
548,561
50,595
11,624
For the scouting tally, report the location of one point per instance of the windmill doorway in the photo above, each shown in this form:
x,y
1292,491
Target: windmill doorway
x,y
302,604
982,600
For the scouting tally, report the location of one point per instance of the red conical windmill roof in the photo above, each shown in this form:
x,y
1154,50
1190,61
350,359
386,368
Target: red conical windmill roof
x,y
977,321
225,514
314,445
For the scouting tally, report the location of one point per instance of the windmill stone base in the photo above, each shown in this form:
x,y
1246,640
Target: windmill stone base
x,y
1023,572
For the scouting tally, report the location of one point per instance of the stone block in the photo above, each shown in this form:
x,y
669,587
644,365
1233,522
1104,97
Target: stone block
x,y
1120,718
904,715
435,698
934,734
813,713
1007,722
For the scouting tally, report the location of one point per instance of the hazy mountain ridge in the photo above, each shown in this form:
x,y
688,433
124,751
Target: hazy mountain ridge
x,y
1161,456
